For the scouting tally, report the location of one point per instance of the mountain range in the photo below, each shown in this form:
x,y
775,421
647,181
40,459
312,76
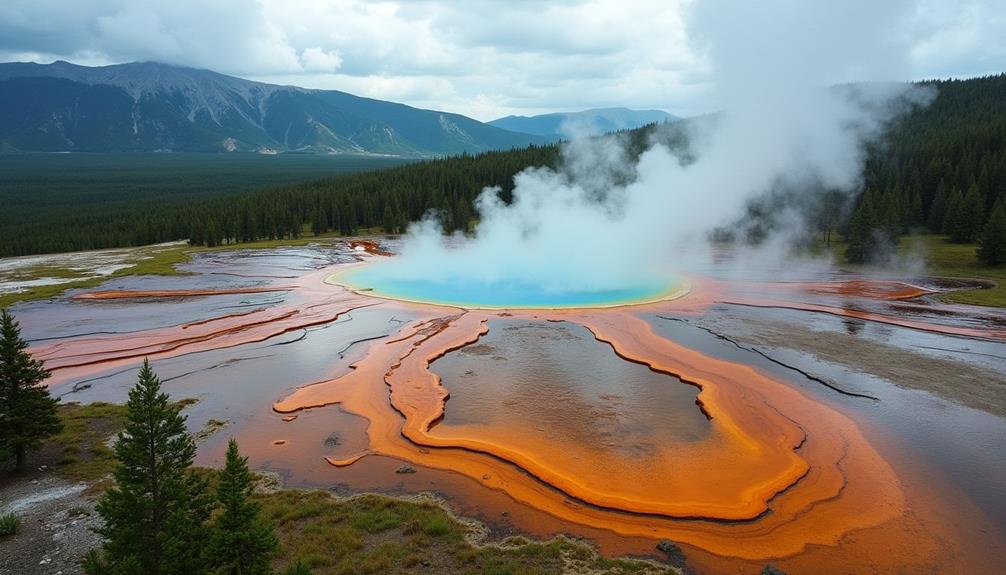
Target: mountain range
x,y
597,121
146,106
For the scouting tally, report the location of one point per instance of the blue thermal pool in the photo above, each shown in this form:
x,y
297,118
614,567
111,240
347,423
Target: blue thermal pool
x,y
480,295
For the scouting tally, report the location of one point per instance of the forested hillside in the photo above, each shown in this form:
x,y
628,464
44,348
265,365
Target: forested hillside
x,y
942,168
68,202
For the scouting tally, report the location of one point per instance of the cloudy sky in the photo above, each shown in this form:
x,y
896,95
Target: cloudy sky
x,y
482,58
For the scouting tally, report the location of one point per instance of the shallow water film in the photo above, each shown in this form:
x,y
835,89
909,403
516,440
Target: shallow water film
x,y
826,424
376,280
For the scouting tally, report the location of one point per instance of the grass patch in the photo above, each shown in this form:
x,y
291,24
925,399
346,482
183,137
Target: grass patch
x,y
148,260
9,524
82,451
959,261
377,534
144,261
945,259
83,443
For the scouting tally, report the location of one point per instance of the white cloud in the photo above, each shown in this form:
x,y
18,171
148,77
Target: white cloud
x,y
480,57
317,60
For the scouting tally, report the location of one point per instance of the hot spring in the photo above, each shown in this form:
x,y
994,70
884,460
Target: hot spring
x,y
380,280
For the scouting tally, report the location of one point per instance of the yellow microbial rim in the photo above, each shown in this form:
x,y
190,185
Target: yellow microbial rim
x,y
679,289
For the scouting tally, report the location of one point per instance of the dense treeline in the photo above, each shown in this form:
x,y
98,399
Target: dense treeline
x,y
940,169
72,202
389,199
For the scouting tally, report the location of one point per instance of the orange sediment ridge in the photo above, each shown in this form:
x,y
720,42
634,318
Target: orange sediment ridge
x,y
138,294
346,461
773,449
73,359
372,247
866,288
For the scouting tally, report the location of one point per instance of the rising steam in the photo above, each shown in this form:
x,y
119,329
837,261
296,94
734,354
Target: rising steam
x,y
603,222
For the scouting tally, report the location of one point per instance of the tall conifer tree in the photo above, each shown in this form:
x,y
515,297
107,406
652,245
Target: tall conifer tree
x,y
992,245
155,515
241,543
27,411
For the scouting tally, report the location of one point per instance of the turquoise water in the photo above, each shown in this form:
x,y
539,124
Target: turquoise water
x,y
508,294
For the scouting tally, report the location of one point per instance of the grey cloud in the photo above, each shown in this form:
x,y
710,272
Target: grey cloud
x,y
488,58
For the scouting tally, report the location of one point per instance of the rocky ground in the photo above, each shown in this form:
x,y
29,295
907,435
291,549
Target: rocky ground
x,y
57,519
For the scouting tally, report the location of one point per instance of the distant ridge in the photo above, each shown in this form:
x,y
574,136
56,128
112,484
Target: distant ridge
x,y
596,121
147,106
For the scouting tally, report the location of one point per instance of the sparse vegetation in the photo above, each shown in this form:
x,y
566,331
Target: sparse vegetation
x,y
377,534
83,445
9,524
151,260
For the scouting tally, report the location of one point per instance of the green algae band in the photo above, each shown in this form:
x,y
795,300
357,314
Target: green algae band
x,y
498,295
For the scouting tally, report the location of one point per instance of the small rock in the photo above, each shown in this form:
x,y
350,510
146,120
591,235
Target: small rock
x,y
406,469
505,514
772,570
675,556
485,477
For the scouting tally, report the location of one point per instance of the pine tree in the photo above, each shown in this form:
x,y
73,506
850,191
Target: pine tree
x,y
890,217
992,245
956,223
155,515
319,224
240,544
938,208
915,217
27,411
388,220
974,212
862,231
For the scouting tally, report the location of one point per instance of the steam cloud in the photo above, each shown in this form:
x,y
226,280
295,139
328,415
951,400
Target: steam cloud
x,y
603,222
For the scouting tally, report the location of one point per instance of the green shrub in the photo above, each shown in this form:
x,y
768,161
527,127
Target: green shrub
x,y
9,524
